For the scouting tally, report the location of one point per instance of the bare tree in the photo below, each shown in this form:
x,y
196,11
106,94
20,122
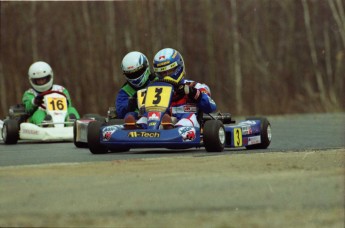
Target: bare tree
x,y
313,53
237,58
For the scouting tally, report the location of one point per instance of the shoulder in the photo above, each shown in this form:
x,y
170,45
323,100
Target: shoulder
x,y
128,89
201,86
58,88
30,92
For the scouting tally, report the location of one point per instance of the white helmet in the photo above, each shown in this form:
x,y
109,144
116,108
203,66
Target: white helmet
x,y
136,69
41,76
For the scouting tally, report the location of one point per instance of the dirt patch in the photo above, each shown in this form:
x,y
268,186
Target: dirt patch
x,y
275,189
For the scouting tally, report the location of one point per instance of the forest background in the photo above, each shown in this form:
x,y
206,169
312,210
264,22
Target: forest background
x,y
259,57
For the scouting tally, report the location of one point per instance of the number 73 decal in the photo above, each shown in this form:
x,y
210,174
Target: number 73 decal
x,y
154,96
237,137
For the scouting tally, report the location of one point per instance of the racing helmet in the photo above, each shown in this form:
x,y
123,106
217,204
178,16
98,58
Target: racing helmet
x,y
168,64
136,69
41,76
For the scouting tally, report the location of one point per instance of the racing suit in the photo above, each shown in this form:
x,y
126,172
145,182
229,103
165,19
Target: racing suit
x,y
126,92
37,114
121,103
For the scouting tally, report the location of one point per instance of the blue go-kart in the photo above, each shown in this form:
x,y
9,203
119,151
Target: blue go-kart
x,y
217,130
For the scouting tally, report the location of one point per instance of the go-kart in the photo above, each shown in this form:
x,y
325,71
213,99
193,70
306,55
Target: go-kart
x,y
16,127
217,130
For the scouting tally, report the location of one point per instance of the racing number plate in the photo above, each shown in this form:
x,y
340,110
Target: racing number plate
x,y
141,97
158,96
237,137
57,104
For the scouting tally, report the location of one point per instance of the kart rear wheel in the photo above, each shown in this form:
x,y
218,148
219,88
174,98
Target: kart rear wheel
x,y
76,143
214,136
120,149
10,131
93,138
266,135
94,116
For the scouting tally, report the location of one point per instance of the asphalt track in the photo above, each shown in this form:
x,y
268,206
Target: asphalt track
x,y
289,133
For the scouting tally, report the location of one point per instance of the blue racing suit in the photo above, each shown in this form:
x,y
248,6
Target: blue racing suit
x,y
121,103
126,92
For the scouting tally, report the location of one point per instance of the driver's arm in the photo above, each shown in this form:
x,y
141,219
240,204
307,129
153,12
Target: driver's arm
x,y
28,101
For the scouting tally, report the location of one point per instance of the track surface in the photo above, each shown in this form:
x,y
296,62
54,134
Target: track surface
x,y
297,182
289,133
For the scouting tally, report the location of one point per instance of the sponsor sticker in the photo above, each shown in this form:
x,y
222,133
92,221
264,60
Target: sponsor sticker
x,y
30,132
154,116
246,130
107,132
189,108
254,140
163,63
142,134
187,133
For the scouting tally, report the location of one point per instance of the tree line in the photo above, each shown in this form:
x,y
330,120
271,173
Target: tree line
x,y
257,56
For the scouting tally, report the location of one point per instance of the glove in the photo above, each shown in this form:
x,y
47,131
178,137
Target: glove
x,y
38,100
132,104
180,91
194,94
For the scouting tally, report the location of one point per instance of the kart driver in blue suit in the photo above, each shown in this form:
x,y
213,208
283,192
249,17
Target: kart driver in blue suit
x,y
189,96
136,69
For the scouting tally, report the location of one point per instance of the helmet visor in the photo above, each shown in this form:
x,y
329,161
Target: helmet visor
x,y
41,81
136,74
163,74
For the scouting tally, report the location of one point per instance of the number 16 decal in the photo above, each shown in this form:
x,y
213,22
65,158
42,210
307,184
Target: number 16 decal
x,y
237,137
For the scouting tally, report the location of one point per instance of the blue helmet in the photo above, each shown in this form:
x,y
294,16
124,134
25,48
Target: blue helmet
x,y
168,64
136,69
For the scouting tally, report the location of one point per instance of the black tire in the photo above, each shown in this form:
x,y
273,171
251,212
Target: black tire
x,y
78,144
10,131
94,116
115,122
93,138
214,136
120,149
265,128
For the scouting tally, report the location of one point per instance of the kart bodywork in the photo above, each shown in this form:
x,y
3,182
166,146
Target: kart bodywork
x,y
15,126
217,130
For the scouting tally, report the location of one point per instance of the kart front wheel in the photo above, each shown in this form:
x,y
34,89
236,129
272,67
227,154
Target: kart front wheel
x,y
265,134
214,136
10,131
93,138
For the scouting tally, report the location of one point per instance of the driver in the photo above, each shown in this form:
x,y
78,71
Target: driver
x,y
41,78
189,96
136,69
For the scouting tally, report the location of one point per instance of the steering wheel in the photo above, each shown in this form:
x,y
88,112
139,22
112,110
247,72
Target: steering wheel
x,y
169,81
51,92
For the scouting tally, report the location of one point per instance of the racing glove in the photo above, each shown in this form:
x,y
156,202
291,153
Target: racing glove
x,y
132,104
180,90
193,93
38,100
